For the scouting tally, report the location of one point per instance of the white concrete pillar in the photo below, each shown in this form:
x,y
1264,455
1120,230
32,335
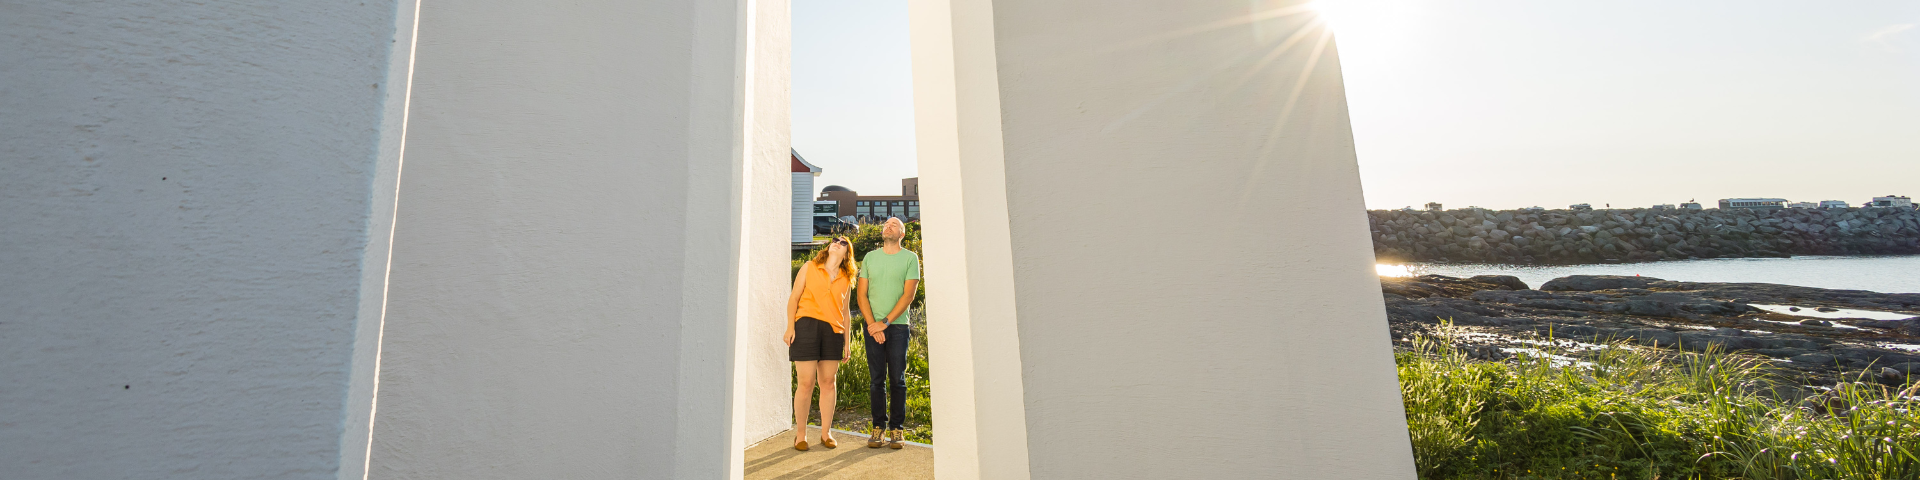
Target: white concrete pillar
x,y
1147,234
196,200
767,376
577,208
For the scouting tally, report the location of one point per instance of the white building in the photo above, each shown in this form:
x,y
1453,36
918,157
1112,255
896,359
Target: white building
x,y
803,204
1834,204
1803,205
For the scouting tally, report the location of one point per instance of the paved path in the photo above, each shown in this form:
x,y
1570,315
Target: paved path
x,y
775,458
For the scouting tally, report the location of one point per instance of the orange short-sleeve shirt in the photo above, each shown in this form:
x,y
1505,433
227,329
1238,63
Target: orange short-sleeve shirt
x,y
823,298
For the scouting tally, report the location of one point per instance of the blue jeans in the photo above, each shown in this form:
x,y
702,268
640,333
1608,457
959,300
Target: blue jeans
x,y
887,366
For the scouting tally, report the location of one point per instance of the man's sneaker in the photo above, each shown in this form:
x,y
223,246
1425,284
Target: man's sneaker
x,y
879,437
897,442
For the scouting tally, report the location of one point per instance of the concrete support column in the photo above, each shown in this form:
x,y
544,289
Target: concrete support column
x,y
1149,245
767,377
578,205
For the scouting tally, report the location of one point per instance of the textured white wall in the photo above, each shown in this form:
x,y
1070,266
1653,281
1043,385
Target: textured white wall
x,y
1261,330
570,243
771,200
196,199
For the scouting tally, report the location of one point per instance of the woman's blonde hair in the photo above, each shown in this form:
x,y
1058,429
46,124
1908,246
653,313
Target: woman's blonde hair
x,y
847,266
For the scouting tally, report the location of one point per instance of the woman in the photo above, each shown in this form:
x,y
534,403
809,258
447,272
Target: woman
x,y
818,337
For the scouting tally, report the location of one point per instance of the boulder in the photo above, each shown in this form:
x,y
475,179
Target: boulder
x,y
1588,283
1509,282
1815,360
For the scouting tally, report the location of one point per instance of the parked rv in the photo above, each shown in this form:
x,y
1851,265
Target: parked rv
x,y
1891,201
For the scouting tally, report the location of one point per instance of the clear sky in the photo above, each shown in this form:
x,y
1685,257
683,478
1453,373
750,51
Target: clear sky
x,y
1511,103
853,93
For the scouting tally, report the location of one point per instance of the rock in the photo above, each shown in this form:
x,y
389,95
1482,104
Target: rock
x,y
1510,282
1588,283
1816,360
1888,375
1782,352
1793,309
1651,337
1815,322
1826,309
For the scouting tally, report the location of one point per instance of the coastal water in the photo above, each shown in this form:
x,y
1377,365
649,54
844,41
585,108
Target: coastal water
x,y
1886,274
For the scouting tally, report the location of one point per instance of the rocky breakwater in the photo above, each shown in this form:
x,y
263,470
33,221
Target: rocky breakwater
x,y
1656,313
1638,235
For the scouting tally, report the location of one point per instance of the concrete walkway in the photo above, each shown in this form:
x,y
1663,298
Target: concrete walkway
x,y
775,458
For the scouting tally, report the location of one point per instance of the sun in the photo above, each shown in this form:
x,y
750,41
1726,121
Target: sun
x,y
1329,11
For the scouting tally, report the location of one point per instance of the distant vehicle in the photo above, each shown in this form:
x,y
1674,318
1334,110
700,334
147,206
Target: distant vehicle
x,y
1803,205
1691,205
1433,206
1663,207
1580,207
1891,201
1834,204
1754,203
832,226
1535,208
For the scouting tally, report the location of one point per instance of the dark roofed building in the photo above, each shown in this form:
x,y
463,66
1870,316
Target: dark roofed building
x,y
876,208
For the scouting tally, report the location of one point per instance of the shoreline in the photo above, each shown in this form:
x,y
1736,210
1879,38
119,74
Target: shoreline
x,y
1503,315
1878,273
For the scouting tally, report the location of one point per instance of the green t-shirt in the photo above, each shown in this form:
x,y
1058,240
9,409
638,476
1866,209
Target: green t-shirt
x,y
887,277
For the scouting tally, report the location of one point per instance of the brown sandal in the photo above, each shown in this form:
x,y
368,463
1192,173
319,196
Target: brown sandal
x,y
802,446
828,441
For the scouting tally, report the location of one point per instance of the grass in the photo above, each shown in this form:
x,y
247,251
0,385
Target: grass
x,y
1644,414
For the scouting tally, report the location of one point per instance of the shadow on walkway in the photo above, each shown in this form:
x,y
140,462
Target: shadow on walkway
x,y
775,458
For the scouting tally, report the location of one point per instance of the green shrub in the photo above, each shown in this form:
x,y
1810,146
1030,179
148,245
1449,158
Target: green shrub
x,y
1622,412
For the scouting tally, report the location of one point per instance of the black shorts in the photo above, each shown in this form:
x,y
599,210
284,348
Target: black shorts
x,y
814,339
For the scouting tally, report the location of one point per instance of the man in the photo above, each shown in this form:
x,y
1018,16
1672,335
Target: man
x,y
888,278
